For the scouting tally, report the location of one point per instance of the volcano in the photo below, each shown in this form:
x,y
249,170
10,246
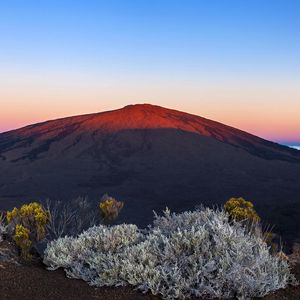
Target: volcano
x,y
150,157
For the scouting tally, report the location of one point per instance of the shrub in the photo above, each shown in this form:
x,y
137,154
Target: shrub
x,y
269,237
79,214
92,256
22,240
69,218
200,253
240,209
28,225
110,207
3,226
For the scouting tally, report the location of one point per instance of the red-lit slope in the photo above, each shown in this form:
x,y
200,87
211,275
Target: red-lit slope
x,y
139,117
150,157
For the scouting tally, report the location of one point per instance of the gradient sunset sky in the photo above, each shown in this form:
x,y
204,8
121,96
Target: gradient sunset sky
x,y
234,61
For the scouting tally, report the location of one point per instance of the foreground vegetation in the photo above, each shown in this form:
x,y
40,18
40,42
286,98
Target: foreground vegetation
x,y
207,252
200,253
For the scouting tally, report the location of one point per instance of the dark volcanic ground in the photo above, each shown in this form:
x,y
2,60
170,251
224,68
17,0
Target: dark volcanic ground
x,y
151,157
35,283
21,280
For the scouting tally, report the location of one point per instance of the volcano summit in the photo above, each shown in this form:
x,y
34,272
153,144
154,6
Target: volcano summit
x,y
150,157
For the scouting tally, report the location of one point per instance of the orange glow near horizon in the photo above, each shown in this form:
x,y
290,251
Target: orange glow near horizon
x,y
236,63
271,112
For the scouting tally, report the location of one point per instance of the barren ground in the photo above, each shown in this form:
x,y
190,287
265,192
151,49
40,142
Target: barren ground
x,y
31,281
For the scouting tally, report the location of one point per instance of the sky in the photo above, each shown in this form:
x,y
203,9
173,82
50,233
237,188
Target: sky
x,y
234,61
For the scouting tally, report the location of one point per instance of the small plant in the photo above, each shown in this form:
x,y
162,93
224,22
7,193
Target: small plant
x,y
23,241
3,226
28,224
110,207
72,217
269,238
240,209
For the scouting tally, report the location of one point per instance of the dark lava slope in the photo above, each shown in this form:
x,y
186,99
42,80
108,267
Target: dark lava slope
x,y
150,157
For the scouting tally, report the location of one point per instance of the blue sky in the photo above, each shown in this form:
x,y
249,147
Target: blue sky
x,y
196,53
146,35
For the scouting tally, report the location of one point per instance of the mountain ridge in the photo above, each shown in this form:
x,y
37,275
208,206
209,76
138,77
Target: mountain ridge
x,y
146,116
150,157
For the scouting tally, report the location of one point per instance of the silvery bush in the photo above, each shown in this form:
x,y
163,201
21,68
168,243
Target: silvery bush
x,y
3,227
200,253
92,256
